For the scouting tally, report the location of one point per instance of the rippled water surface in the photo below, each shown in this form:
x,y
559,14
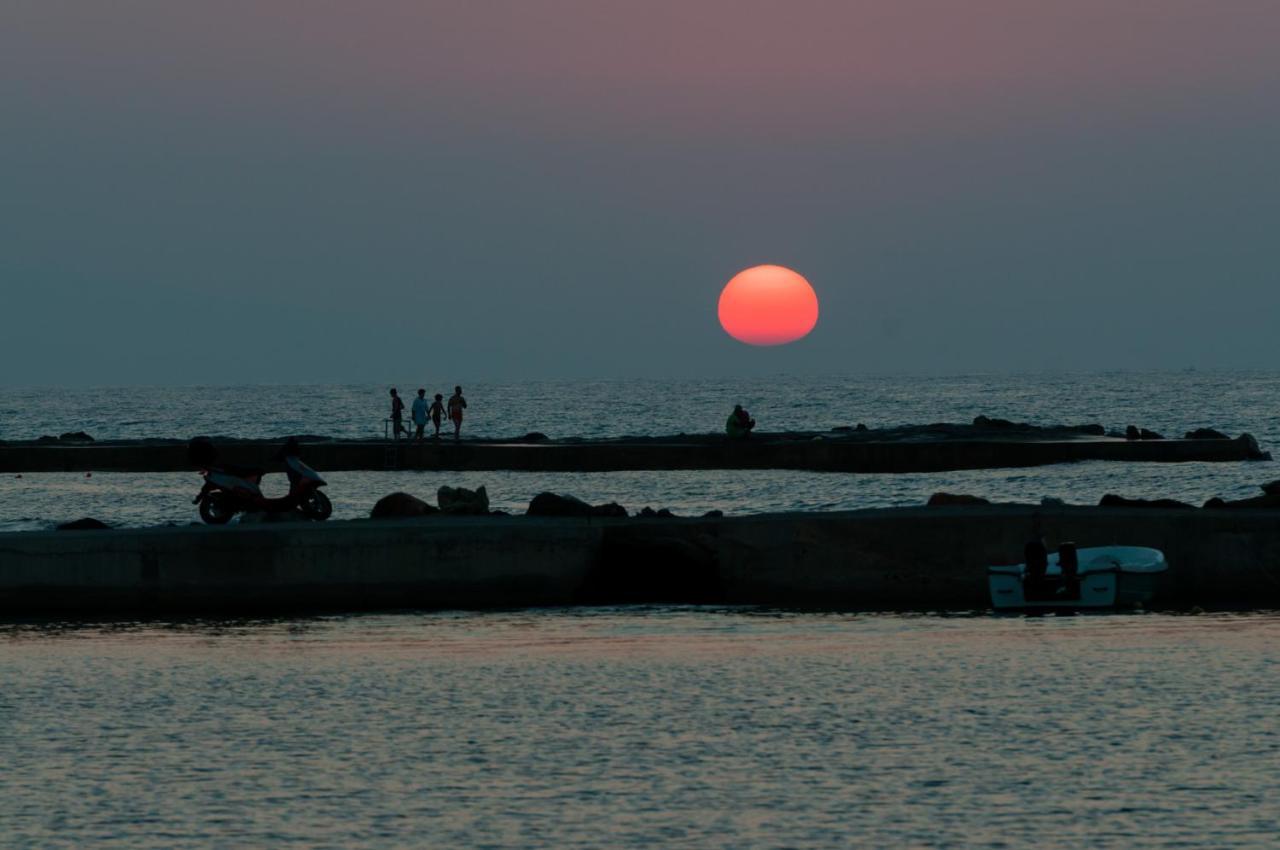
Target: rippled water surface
x,y
1171,403
667,727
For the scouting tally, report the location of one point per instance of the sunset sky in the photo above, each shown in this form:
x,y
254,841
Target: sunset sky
x,y
281,190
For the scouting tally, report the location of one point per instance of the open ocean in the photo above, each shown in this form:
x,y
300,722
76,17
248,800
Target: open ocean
x,y
1168,402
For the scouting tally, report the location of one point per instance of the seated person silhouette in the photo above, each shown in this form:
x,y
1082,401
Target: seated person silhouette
x,y
739,424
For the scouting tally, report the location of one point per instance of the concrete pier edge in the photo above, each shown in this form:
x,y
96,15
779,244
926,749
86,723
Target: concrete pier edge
x,y
917,558
820,453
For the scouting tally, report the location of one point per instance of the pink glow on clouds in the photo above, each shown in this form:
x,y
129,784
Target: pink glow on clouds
x,y
661,68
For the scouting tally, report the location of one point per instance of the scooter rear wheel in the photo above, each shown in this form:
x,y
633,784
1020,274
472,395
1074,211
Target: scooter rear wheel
x,y
216,509
316,505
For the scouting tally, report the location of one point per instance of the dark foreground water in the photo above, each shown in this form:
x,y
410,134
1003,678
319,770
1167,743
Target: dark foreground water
x,y
669,727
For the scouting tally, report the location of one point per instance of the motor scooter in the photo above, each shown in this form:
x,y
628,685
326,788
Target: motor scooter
x,y
228,491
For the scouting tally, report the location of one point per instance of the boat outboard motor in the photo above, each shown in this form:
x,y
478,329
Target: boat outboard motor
x,y
1069,560
1036,557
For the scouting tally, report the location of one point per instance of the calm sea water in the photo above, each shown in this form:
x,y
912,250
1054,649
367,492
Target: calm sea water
x,y
665,727
1171,403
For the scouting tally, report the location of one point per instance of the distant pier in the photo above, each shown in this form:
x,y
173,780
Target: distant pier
x,y
917,449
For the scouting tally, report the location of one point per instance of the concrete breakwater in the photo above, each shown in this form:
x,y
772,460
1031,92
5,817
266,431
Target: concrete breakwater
x,y
902,558
904,450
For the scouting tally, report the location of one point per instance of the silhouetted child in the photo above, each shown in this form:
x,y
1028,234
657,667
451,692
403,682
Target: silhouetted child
x,y
437,412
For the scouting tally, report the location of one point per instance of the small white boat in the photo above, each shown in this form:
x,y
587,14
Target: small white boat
x,y
1106,577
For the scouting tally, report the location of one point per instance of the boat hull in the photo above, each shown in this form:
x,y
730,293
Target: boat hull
x,y
1096,590
1108,577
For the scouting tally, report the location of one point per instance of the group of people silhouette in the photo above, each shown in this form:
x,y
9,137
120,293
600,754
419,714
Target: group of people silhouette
x,y
739,425
424,410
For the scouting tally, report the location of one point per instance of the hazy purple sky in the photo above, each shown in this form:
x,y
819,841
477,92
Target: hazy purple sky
x,y
282,190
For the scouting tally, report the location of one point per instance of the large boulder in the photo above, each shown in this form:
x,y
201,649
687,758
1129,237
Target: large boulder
x,y
397,505
1254,451
75,437
554,504
460,500
997,422
1205,434
1267,501
1111,500
956,499
1271,488
86,524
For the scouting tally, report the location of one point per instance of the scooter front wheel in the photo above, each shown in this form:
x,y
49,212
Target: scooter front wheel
x,y
217,509
316,505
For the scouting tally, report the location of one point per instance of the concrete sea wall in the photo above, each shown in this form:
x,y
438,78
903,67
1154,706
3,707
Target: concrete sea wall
x,y
826,454
909,558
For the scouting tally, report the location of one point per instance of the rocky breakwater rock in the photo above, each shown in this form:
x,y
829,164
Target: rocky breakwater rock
x,y
86,524
1133,432
994,423
1255,451
660,513
938,499
554,504
461,501
400,505
1205,434
69,438
1269,500
1111,500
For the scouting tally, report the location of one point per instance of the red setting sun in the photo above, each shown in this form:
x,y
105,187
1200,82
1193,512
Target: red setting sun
x,y
768,305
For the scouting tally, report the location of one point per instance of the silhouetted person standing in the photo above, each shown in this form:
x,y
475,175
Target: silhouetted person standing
x,y
397,415
437,412
419,414
457,404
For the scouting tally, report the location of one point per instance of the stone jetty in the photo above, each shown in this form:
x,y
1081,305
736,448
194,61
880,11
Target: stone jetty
x,y
920,558
925,448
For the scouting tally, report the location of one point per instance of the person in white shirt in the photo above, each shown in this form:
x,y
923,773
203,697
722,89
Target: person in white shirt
x,y
420,406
